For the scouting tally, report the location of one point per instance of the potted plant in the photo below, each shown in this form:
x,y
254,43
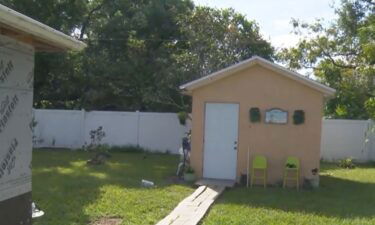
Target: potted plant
x,y
189,174
182,117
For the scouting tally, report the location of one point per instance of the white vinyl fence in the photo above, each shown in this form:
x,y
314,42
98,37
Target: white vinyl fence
x,y
71,128
162,132
348,138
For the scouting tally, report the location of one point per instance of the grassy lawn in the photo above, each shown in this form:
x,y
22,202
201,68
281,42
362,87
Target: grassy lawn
x,y
72,193
345,197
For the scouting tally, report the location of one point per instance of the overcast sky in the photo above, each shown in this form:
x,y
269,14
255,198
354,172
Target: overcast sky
x,y
274,16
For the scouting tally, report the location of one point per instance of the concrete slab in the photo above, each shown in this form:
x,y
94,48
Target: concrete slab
x,y
215,182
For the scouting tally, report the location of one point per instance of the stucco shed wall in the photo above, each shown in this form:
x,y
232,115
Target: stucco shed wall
x,y
265,89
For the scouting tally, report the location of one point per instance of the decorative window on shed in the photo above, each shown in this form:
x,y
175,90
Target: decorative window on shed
x,y
277,116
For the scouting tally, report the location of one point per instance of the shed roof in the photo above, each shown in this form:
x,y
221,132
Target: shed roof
x,y
256,60
39,35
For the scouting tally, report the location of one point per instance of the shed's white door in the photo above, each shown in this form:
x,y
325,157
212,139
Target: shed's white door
x,y
220,141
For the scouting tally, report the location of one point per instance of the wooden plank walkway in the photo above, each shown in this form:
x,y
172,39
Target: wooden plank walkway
x,y
192,209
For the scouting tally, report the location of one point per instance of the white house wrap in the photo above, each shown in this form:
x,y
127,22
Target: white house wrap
x,y
20,37
16,96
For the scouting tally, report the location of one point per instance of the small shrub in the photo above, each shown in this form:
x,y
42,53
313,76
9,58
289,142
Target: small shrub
x,y
347,163
32,126
95,144
102,151
96,137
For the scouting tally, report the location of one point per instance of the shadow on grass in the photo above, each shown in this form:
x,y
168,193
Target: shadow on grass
x,y
336,197
70,192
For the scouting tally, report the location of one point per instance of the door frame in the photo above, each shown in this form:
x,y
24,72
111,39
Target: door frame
x,y
204,132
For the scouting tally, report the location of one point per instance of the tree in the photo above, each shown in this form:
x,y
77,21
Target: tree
x,y
58,76
219,38
129,53
211,39
341,56
138,52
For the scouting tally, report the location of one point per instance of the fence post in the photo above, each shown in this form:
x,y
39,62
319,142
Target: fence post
x,y
138,126
83,128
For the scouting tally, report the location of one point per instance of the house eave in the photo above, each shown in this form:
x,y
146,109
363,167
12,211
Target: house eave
x,y
39,35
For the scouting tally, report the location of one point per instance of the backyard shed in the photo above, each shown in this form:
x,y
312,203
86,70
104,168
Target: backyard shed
x,y
20,38
260,106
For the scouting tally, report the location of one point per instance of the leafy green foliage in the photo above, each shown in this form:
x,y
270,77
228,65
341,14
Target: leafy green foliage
x,y
218,38
64,15
139,52
347,163
341,56
370,107
182,117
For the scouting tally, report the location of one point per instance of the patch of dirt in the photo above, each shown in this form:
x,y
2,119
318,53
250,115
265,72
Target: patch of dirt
x,y
107,221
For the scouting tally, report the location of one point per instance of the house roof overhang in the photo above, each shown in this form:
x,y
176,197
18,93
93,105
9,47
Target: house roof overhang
x,y
27,30
256,60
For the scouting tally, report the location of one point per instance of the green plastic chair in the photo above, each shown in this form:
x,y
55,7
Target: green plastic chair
x,y
292,165
259,164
